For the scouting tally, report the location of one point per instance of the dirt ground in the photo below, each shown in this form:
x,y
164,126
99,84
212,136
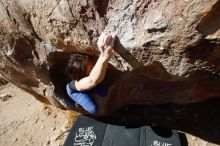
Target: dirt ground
x,y
24,121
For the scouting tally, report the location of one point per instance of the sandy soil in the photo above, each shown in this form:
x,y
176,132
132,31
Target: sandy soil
x,y
24,121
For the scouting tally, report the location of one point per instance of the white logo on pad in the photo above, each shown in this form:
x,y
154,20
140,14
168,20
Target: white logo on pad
x,y
85,137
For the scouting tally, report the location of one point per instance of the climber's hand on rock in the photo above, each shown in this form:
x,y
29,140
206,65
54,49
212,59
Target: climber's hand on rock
x,y
105,44
101,42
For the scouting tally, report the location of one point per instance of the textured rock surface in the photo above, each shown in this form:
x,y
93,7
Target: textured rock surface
x,y
166,44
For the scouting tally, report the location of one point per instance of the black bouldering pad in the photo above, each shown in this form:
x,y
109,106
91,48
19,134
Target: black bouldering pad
x,y
89,132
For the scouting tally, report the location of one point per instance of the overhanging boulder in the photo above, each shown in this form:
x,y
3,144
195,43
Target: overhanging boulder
x,y
166,51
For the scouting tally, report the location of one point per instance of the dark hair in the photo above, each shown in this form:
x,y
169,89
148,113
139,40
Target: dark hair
x,y
76,65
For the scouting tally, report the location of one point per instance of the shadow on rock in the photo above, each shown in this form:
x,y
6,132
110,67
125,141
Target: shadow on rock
x,y
199,119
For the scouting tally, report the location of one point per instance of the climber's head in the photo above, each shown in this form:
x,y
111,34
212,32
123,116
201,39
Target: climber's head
x,y
78,66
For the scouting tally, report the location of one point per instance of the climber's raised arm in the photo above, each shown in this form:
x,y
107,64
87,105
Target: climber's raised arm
x,y
93,74
98,72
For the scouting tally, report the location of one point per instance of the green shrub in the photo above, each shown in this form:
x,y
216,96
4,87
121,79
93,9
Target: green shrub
x,y
3,81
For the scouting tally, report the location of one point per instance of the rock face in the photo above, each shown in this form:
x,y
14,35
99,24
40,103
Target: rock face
x,y
166,51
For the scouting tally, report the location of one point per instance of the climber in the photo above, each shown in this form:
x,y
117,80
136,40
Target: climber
x,y
86,75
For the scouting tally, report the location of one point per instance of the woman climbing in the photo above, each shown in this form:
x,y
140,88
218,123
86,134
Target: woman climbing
x,y
86,75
